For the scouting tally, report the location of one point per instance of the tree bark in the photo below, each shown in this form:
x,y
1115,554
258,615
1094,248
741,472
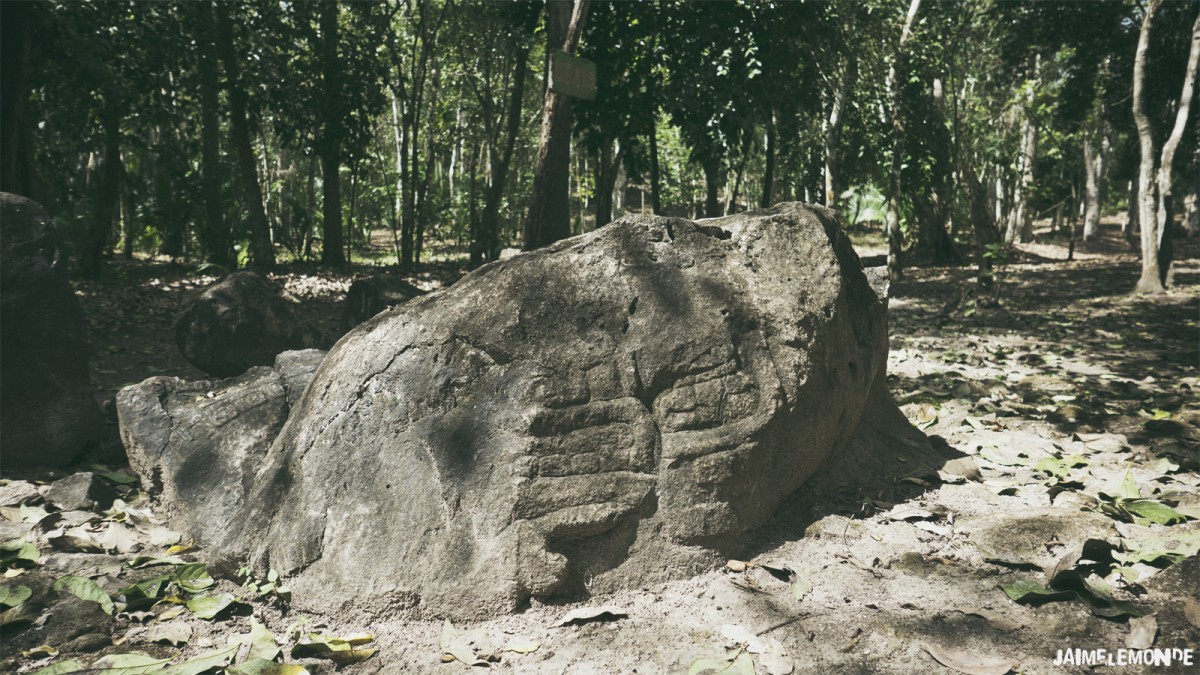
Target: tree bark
x,y
655,184
106,194
331,139
768,186
712,188
16,166
488,244
1095,164
262,254
894,235
1020,223
215,233
833,130
1154,172
549,217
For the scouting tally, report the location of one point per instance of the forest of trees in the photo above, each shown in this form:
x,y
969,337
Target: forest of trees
x,y
258,133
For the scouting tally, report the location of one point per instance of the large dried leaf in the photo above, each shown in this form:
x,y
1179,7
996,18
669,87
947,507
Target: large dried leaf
x,y
341,650
209,605
86,589
11,596
265,667
970,661
584,615
217,658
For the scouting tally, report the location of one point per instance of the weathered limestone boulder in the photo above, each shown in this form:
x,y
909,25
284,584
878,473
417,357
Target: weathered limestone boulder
x,y
239,322
615,409
47,413
199,444
371,295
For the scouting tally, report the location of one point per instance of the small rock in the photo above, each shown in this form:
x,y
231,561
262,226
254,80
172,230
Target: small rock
x,y
81,492
16,492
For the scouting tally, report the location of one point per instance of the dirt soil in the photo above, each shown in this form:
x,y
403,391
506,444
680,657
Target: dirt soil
x,y
1065,520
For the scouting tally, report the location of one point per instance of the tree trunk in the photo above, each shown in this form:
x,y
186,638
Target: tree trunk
x,y
126,210
768,186
549,216
1095,164
833,130
488,244
1020,224
655,184
261,252
731,205
895,236
1154,172
215,233
712,188
987,236
106,194
16,166
331,139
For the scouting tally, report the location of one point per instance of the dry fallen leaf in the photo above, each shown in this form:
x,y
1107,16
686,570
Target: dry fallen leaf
x,y
740,635
588,614
970,662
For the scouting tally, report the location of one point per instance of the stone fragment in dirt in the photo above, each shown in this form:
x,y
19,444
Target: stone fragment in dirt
x,y
184,438
47,413
82,491
72,617
15,492
961,468
777,664
969,661
471,647
174,633
371,295
609,411
237,323
1142,631
1191,611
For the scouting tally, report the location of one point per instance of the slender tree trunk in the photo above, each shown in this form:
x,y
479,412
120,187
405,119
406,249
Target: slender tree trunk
x,y
1154,172
655,178
768,184
712,187
16,167
895,236
731,205
987,236
549,216
215,233
331,139
488,245
261,252
1191,199
106,195
126,211
1095,165
833,130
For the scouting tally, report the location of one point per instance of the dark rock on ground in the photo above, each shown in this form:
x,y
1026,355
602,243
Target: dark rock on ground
x,y
200,444
81,492
237,323
370,296
72,617
47,413
613,410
